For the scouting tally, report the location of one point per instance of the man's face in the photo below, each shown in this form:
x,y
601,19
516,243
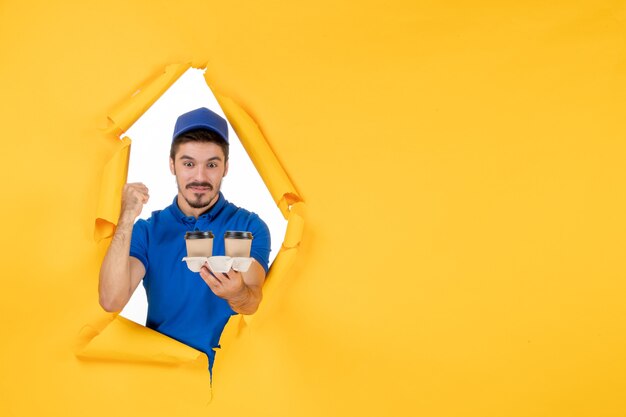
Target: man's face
x,y
199,168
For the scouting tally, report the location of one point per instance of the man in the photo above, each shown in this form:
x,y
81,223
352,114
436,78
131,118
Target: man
x,y
189,307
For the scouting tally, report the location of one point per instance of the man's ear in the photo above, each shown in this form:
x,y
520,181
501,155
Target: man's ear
x,y
172,168
225,169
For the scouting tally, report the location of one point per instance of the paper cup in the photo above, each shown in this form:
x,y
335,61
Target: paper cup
x,y
238,244
199,243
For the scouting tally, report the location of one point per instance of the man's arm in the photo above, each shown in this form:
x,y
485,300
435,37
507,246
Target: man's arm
x,y
120,273
242,290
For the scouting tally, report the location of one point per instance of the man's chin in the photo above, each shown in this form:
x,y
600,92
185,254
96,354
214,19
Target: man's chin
x,y
199,202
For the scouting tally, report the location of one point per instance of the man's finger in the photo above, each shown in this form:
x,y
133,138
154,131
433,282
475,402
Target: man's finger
x,y
213,275
208,275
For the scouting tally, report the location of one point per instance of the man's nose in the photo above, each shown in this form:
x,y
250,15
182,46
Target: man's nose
x,y
202,173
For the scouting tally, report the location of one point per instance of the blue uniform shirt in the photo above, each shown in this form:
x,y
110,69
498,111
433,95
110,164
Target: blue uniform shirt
x,y
180,304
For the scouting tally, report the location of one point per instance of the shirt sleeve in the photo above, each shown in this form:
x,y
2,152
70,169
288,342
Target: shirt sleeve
x,y
261,241
139,242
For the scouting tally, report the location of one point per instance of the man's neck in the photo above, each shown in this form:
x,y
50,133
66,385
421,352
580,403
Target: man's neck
x,y
194,212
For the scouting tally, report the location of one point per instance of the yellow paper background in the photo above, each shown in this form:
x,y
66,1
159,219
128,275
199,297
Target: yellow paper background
x,y
462,169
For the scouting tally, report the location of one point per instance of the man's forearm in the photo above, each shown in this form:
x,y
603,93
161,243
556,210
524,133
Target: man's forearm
x,y
115,282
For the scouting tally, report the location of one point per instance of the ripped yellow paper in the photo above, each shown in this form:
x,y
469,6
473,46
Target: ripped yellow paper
x,y
462,165
113,179
120,340
265,161
126,341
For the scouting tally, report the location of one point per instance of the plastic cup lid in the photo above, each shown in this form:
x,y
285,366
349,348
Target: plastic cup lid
x,y
237,235
197,234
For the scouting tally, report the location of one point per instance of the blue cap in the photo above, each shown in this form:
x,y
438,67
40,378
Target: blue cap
x,y
201,118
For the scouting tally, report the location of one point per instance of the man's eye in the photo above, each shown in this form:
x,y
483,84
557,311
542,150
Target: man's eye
x,y
212,165
187,164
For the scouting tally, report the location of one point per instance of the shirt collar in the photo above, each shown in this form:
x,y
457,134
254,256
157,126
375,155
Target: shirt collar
x,y
210,214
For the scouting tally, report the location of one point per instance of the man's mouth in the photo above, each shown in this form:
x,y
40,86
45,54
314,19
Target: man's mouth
x,y
199,188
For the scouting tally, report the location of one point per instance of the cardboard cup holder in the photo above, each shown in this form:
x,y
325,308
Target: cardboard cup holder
x,y
218,264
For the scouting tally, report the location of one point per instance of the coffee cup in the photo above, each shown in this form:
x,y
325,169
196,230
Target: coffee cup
x,y
238,244
199,243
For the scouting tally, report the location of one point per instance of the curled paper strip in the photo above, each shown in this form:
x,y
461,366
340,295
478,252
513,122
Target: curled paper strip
x,y
99,341
111,184
265,161
116,170
130,110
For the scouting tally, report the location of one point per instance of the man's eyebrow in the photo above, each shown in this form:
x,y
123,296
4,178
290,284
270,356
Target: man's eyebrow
x,y
215,158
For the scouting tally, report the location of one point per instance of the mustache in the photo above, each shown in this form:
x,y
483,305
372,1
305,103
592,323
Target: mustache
x,y
199,184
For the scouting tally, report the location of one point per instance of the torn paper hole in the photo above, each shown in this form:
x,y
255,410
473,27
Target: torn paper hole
x,y
151,137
